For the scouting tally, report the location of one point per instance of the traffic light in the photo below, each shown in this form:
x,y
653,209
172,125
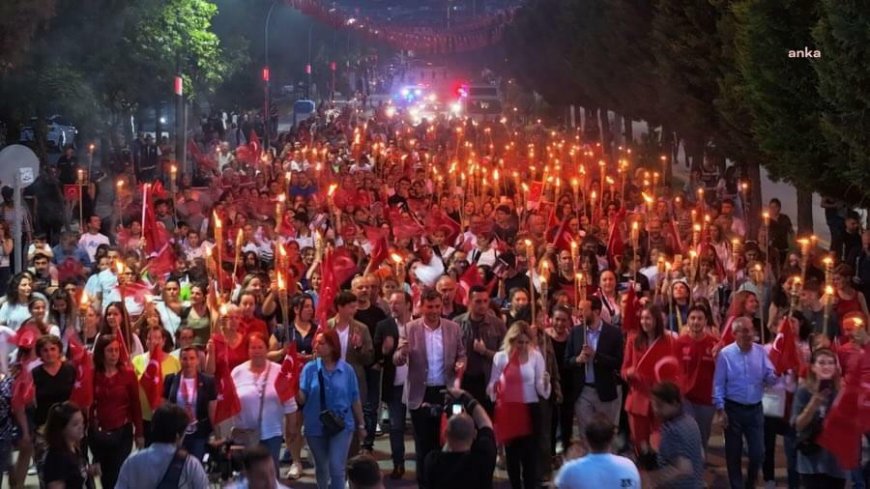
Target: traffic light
x,y
266,74
332,65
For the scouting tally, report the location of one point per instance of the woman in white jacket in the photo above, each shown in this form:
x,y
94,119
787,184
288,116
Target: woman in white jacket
x,y
519,376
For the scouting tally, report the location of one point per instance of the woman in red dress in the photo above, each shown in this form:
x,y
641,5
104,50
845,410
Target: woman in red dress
x,y
645,352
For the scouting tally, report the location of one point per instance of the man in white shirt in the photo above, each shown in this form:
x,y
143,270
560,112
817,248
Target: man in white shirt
x,y
93,238
599,468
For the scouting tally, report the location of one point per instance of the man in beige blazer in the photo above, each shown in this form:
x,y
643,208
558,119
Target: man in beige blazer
x,y
433,349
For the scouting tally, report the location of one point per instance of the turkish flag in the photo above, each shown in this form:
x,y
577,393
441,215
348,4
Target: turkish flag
x,y
80,358
615,243
155,234
228,404
512,417
784,353
344,265
328,288
380,247
23,390
152,379
659,362
287,382
631,314
440,221
469,279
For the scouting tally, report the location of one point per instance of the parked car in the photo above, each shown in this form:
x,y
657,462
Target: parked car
x,y
61,132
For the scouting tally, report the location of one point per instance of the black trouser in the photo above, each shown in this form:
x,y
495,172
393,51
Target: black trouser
x,y
563,423
521,454
111,455
544,435
427,428
821,481
146,432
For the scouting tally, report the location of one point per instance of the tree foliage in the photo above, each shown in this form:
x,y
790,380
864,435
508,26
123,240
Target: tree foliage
x,y
718,73
19,22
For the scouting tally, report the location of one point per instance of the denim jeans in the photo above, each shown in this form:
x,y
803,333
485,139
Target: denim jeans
x,y
371,405
397,427
274,446
330,458
703,415
773,427
744,421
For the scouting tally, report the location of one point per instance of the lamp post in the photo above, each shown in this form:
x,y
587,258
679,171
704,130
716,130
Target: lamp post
x,y
266,76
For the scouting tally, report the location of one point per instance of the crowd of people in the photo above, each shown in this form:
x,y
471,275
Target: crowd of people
x,y
528,300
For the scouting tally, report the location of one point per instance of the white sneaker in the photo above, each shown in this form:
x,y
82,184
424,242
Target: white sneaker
x,y
295,471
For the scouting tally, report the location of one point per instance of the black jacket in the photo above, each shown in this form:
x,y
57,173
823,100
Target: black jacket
x,y
607,362
206,391
388,328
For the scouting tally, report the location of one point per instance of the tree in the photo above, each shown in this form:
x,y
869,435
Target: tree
x,y
19,22
782,95
843,39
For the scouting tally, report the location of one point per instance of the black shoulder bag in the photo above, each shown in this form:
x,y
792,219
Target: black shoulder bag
x,y
173,473
332,422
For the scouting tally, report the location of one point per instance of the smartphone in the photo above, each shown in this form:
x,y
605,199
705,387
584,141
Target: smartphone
x,y
455,409
826,385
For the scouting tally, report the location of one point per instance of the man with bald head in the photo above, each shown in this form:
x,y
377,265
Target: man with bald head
x,y
365,287
468,460
446,286
742,371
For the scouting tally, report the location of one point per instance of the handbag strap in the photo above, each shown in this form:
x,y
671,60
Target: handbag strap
x,y
173,472
263,395
322,389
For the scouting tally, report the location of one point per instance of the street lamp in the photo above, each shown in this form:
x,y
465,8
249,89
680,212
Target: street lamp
x,y
266,73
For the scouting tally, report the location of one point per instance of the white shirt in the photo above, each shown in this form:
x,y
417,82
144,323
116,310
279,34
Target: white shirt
x,y
532,372
187,395
89,243
343,337
434,355
14,315
249,387
598,471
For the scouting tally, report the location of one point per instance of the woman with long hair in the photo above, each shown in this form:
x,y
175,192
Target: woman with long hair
x,y
63,312
115,419
14,312
519,307
329,373
23,419
248,319
743,304
263,413
643,349
145,322
679,302
169,305
817,466
116,322
518,353
90,326
609,296
199,316
66,465
846,298
38,307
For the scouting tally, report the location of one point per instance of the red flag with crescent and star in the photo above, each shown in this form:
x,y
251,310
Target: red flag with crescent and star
x,y
287,382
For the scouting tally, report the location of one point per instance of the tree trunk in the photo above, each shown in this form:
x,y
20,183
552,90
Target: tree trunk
x,y
628,130
804,210
591,130
754,205
606,131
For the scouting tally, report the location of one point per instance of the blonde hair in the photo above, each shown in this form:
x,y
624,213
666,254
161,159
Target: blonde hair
x,y
516,330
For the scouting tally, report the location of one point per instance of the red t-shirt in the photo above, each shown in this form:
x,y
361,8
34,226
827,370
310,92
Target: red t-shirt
x,y
116,401
699,364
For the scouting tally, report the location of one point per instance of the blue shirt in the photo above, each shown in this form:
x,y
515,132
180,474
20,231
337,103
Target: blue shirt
x,y
741,377
341,392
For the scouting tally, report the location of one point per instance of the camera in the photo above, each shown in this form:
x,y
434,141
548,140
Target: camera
x,y
448,406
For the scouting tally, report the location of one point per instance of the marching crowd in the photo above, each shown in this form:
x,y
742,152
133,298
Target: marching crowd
x,y
528,300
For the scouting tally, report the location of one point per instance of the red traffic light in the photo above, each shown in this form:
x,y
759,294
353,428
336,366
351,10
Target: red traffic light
x,y
179,86
266,74
332,65
308,69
